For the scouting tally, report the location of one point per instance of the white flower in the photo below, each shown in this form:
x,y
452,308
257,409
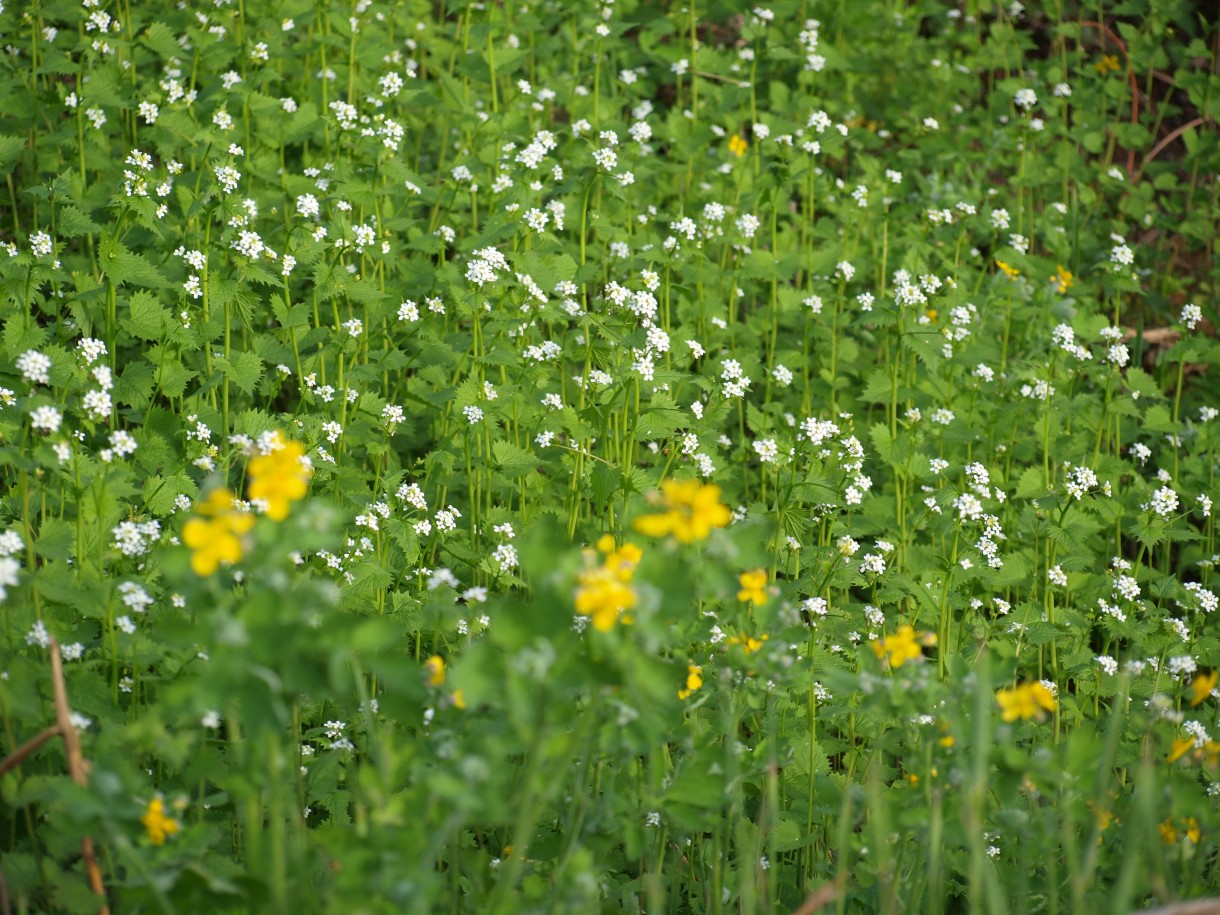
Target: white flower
x,y
46,419
1164,501
1025,99
767,450
34,367
505,557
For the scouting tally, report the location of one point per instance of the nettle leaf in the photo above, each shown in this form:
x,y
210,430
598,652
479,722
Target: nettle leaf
x,y
513,460
122,266
244,371
11,149
1031,485
146,317
658,423
1157,418
72,223
160,38
160,492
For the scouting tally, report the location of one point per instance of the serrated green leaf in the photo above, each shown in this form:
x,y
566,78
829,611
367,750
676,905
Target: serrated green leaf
x,y
245,371
513,460
146,317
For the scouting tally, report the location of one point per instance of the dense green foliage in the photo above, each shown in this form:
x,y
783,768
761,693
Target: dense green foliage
x,y
754,458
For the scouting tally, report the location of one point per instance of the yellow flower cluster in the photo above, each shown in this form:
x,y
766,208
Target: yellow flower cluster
x,y
749,644
604,592
1207,753
1008,269
1108,63
1025,701
904,645
216,536
1170,834
280,477
753,587
157,824
1201,687
1063,279
435,667
690,511
694,680
738,146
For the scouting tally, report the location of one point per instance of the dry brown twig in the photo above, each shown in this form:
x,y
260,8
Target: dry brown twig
x,y
827,892
78,770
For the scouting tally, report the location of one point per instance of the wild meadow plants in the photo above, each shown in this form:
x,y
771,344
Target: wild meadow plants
x,y
608,457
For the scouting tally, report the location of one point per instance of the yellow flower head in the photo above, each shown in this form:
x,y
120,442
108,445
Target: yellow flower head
x,y
690,511
1208,753
1189,827
603,593
749,644
753,587
215,537
158,825
1008,269
1107,64
621,561
1201,687
279,477
904,645
1025,701
1063,279
738,146
694,680
435,666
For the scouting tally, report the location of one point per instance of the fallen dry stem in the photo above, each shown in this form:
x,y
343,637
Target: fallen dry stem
x,y
78,769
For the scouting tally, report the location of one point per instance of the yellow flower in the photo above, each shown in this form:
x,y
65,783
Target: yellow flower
x,y
459,699
1025,701
1063,279
738,146
621,561
603,592
904,645
603,595
157,823
435,666
1201,687
753,587
215,538
694,680
280,477
1169,830
1009,270
1107,64
1180,746
748,643
1208,753
691,510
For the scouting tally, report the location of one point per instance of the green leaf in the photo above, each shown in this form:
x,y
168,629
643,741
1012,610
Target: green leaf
x,y
245,371
11,149
72,223
1031,485
122,266
145,317
514,461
